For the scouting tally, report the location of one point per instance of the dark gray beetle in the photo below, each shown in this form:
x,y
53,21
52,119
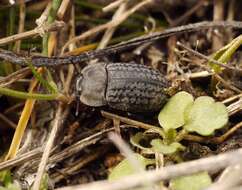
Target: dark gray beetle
x,y
123,86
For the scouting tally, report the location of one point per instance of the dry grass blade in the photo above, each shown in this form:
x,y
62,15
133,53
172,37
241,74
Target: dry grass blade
x,y
21,159
23,121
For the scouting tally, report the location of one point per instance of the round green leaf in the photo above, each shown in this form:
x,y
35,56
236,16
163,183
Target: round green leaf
x,y
197,181
205,116
159,146
125,168
172,115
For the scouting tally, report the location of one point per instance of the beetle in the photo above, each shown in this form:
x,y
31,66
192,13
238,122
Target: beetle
x,y
124,86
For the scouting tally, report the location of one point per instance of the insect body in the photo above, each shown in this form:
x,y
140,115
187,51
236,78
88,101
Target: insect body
x,y
124,86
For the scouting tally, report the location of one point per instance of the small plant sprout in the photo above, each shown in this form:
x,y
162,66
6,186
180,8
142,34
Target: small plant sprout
x,y
202,116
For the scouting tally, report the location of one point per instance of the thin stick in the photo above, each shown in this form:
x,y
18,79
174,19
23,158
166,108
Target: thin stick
x,y
233,98
63,7
8,121
112,23
21,159
109,32
210,164
129,121
230,178
41,20
207,58
78,164
22,14
188,13
218,14
113,5
19,74
37,31
39,61
219,78
48,146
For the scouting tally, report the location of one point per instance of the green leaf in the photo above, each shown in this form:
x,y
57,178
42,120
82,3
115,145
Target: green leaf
x,y
159,146
5,177
205,116
125,168
172,115
136,140
11,186
225,53
44,182
7,181
197,181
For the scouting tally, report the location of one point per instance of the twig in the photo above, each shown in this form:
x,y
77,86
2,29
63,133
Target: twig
x,y
63,7
22,14
131,121
113,5
19,74
109,32
235,107
48,146
13,108
226,84
67,152
8,121
215,140
112,23
78,146
44,61
41,20
207,58
37,31
188,13
198,74
219,78
225,136
231,177
21,159
80,163
231,99
210,164
39,61
218,14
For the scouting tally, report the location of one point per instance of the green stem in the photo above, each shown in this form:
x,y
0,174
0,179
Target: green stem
x,y
181,135
230,51
40,79
52,15
24,95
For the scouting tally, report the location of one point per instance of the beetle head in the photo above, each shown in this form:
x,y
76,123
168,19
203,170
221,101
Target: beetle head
x,y
91,85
